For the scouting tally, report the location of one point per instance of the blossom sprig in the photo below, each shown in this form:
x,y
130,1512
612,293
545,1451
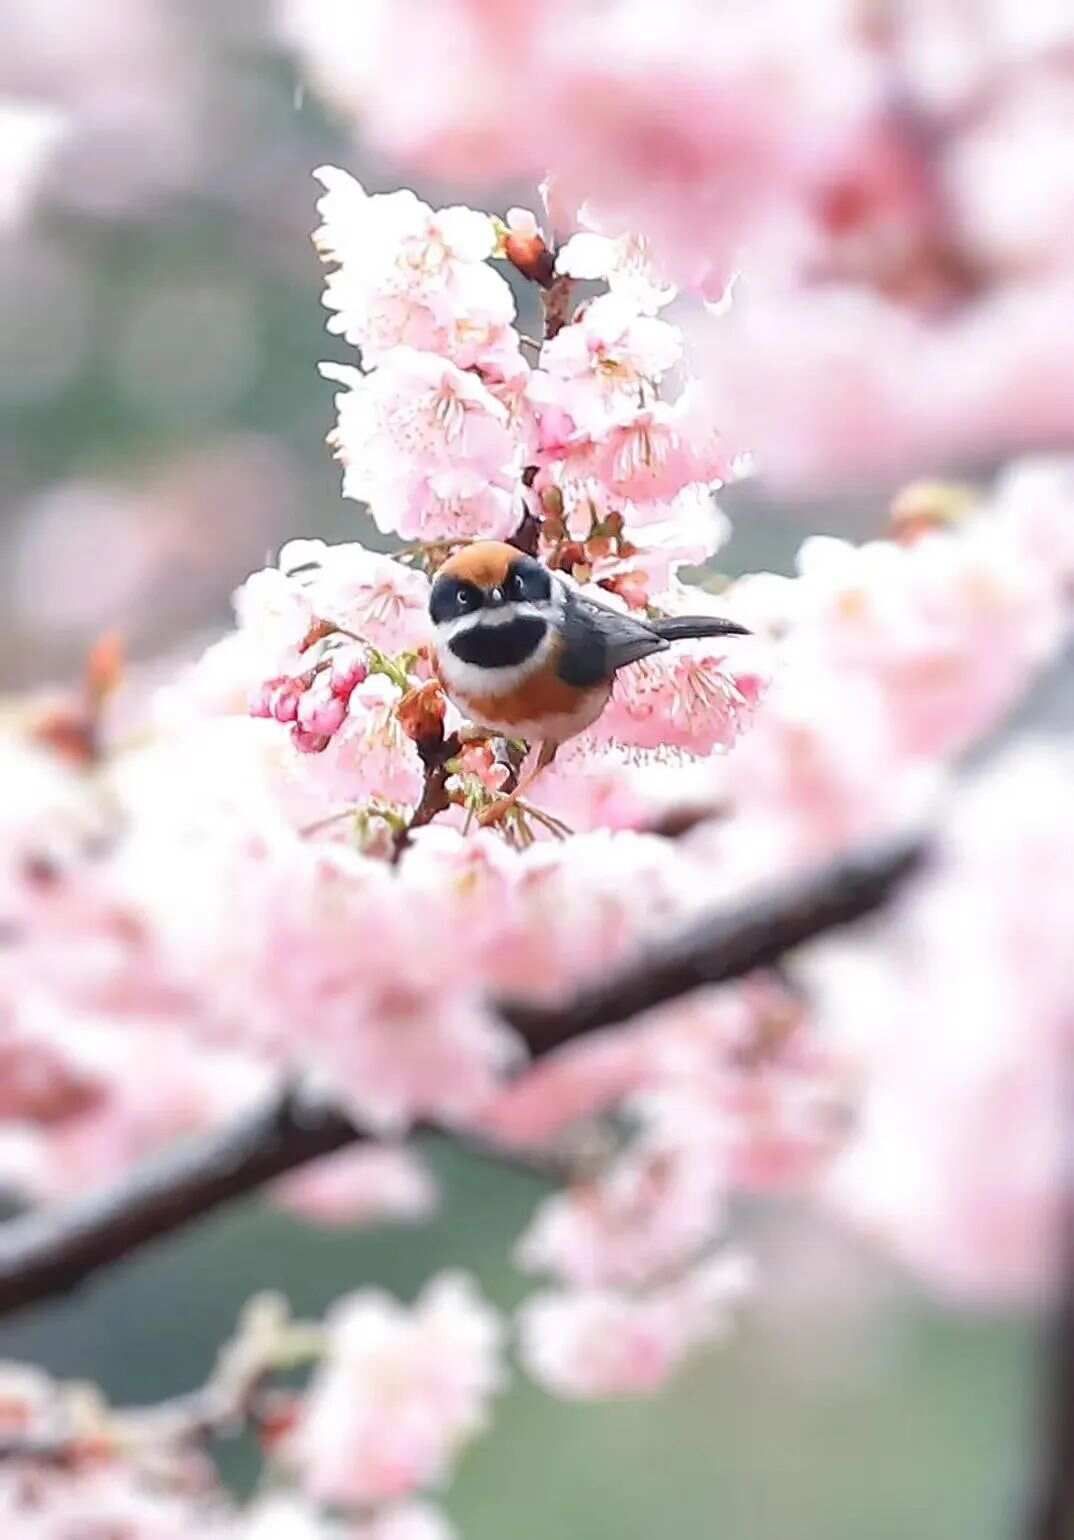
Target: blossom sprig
x,y
897,299
393,1397
444,446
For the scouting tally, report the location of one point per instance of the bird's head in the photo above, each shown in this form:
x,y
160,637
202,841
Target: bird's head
x,y
491,605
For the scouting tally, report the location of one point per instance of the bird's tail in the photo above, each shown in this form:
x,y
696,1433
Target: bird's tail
x,y
683,628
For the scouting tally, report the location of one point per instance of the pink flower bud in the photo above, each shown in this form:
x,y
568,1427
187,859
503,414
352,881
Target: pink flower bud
x,y
349,667
321,714
284,703
260,703
309,743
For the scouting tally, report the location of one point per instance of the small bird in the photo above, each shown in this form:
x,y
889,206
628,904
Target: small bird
x,y
525,654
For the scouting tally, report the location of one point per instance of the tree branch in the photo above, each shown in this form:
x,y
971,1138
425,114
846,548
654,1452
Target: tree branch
x,y
1051,1509
52,1250
48,1253
725,945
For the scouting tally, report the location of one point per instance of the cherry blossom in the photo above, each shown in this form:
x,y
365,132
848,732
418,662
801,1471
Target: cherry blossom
x,y
606,356
399,1393
650,1212
977,1217
591,1344
360,1186
428,447
57,1505
901,283
652,453
409,276
625,263
686,699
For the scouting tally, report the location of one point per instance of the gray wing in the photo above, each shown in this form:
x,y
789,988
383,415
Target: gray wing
x,y
599,640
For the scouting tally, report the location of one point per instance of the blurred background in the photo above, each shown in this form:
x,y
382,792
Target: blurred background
x,y
163,429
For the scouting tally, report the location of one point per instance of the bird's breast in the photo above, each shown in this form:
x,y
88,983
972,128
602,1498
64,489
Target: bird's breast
x,y
525,700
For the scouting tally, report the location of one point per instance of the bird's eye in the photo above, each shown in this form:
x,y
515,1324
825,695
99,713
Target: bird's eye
x,y
467,598
515,587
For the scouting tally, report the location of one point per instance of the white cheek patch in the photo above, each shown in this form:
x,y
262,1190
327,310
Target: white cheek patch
x,y
498,617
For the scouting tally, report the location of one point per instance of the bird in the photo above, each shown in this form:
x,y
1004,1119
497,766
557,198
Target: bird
x,y
523,653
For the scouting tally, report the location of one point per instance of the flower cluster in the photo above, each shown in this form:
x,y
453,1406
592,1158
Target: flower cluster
x,y
435,435
893,183
393,1397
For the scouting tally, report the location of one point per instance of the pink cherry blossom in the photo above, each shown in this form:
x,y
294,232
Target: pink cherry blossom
x,y
1032,503
405,1521
408,275
361,1186
291,1517
275,610
578,906
687,698
399,1393
624,262
857,175
976,1216
361,749
652,453
361,591
939,605
593,1344
111,1501
653,1210
606,357
803,787
427,446
28,1401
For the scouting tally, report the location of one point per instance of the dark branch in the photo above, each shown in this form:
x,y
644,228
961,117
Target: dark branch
x,y
1051,1509
725,945
436,755
48,1253
54,1249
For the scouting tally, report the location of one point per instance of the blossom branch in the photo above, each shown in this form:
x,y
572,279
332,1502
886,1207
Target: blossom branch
x,y
726,944
77,1429
54,1251
436,753
49,1252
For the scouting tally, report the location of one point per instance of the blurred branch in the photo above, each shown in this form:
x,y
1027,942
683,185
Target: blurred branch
x,y
51,1251
1051,1509
48,1253
726,944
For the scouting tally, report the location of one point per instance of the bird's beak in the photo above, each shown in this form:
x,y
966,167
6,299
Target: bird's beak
x,y
495,596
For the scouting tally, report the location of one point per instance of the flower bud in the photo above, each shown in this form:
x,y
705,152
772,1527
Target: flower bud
x,y
924,507
309,743
524,246
421,712
349,666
